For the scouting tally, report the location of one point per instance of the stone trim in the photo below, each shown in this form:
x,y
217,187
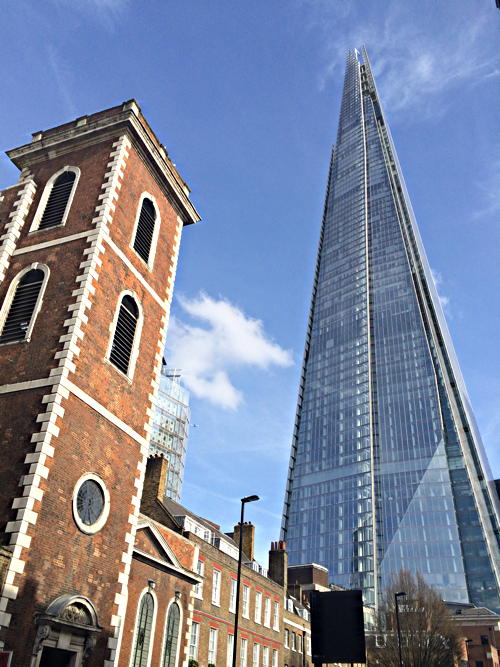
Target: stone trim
x,y
48,244
44,450
137,274
12,229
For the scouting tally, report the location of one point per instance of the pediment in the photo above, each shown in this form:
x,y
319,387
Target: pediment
x,y
149,540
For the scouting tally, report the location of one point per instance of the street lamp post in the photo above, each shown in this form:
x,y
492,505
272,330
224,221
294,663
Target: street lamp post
x,y
396,598
248,499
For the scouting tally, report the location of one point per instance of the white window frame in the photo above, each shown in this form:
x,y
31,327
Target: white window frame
x,y
134,352
156,231
198,588
276,616
275,658
95,527
294,640
233,584
45,197
286,641
179,636
267,611
243,652
265,656
246,601
216,585
258,607
255,654
153,625
212,646
230,645
194,646
9,297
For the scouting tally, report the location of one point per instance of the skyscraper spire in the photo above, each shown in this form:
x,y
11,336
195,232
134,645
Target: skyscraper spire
x,y
387,468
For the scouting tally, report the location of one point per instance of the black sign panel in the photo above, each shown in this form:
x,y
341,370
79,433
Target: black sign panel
x,y
337,628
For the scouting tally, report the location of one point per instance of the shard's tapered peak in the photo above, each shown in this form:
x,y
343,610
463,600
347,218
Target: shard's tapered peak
x,y
387,469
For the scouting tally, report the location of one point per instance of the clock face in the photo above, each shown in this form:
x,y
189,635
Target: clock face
x,y
89,502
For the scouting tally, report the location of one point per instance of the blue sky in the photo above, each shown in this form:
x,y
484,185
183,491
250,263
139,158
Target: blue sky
x,y
245,95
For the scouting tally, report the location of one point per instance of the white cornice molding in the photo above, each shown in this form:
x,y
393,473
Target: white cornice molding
x,y
86,134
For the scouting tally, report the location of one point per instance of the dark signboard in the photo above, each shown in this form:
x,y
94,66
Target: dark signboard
x,y
337,627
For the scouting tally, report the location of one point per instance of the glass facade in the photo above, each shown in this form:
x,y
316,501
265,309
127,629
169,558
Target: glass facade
x,y
387,468
169,432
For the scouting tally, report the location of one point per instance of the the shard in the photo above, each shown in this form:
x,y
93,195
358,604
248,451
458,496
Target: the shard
x,y
387,470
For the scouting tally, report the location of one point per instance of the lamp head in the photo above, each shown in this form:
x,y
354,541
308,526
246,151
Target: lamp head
x,y
250,499
400,594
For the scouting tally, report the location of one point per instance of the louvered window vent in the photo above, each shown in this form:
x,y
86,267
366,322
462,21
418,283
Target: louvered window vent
x,y
22,307
57,201
145,230
123,339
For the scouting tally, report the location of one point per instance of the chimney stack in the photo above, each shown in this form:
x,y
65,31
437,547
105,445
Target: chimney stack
x,y
248,542
278,563
155,482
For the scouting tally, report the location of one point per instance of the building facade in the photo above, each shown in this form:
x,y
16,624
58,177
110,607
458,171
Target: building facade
x,y
89,240
387,469
268,614
169,432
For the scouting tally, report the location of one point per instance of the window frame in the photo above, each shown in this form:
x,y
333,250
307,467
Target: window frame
x,y
233,585
212,632
258,608
229,649
216,588
156,230
255,654
276,616
267,611
172,602
196,646
198,588
42,204
101,521
243,653
245,601
265,656
134,351
144,592
9,298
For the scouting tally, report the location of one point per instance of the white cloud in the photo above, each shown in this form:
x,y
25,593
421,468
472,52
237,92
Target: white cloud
x,y
63,78
107,13
490,188
438,282
229,340
414,64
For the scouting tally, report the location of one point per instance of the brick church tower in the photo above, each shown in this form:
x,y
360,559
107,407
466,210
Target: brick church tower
x,y
89,240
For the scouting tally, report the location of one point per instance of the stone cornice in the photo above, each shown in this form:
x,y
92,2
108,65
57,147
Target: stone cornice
x,y
89,130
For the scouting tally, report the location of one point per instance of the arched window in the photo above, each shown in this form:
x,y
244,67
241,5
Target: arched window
x,y
145,230
124,335
171,636
57,201
144,624
22,307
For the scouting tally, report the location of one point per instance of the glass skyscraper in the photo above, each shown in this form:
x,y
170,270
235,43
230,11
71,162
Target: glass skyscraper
x,y
387,470
169,432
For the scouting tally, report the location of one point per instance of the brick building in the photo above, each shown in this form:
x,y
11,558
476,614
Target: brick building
x,y
267,612
480,629
89,240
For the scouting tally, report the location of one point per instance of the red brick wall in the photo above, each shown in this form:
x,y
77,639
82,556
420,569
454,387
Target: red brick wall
x,y
60,558
165,587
